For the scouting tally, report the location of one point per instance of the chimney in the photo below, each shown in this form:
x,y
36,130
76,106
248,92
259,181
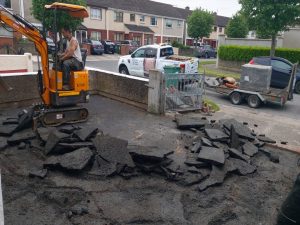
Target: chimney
x,y
187,8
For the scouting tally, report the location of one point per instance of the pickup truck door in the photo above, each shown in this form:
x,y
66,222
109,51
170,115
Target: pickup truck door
x,y
137,64
150,60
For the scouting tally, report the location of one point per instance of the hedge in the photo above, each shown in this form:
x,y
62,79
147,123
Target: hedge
x,y
246,53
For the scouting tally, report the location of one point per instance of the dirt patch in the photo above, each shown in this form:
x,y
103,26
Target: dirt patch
x,y
146,198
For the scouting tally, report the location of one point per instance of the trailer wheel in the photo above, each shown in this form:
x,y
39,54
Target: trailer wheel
x,y
236,98
254,101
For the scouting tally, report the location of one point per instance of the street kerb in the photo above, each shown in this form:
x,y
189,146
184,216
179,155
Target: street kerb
x,y
290,148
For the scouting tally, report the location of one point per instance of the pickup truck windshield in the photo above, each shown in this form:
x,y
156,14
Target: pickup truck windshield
x,y
166,52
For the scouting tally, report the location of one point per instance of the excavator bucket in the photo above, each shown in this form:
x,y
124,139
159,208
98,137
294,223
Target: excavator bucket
x,y
76,11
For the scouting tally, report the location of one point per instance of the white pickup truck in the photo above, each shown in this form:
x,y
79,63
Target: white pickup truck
x,y
157,57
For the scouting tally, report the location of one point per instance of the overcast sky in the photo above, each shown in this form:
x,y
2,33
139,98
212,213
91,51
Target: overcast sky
x,y
222,7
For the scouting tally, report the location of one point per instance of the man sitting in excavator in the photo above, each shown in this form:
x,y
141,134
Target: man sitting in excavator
x,y
71,59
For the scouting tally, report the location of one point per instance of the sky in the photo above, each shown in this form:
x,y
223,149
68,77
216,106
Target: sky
x,y
222,7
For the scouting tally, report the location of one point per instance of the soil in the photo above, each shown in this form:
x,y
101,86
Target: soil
x,y
147,198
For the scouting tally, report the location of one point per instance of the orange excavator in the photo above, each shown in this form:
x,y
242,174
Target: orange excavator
x,y
59,106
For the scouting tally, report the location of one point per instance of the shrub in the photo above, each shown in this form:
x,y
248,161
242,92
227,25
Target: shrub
x,y
246,53
176,44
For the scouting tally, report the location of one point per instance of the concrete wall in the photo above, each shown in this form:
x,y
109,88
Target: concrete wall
x,y
223,40
128,89
230,65
24,90
292,38
16,63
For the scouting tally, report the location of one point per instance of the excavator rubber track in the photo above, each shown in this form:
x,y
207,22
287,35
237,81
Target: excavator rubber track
x,y
58,116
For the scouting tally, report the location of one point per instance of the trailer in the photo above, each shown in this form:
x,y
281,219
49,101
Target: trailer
x,y
255,98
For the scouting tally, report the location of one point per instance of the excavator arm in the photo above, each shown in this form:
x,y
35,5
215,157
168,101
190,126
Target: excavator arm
x,y
22,26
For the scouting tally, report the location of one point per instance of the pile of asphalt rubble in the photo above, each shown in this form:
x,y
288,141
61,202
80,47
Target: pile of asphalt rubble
x,y
214,150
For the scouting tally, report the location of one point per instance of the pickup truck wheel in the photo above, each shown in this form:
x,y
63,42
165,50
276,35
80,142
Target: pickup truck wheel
x,y
254,101
123,70
236,98
297,87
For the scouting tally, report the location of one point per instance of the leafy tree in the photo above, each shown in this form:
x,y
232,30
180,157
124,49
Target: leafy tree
x,y
237,27
47,16
200,24
268,17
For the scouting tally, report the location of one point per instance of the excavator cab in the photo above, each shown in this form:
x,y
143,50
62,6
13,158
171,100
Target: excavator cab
x,y
79,81
59,106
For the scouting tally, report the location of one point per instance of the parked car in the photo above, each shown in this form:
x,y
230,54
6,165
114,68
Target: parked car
x,y
133,45
281,71
109,46
51,45
205,51
97,47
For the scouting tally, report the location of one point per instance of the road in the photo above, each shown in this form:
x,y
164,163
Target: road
x,y
290,110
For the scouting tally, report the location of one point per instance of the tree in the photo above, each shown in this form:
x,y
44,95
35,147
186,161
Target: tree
x,y
237,27
268,17
47,16
200,24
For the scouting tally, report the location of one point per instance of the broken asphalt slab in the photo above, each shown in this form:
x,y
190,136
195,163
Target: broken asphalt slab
x,y
7,130
250,149
113,150
241,129
87,133
234,138
216,177
148,154
53,139
23,136
266,139
76,160
239,155
42,173
184,123
216,134
212,155
103,168
3,143
241,167
44,132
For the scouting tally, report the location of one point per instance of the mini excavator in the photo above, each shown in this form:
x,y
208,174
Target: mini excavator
x,y
58,106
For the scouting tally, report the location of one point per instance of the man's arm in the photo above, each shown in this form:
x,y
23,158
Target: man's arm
x,y
69,51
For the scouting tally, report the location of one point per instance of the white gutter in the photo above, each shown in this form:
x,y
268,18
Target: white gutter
x,y
1,204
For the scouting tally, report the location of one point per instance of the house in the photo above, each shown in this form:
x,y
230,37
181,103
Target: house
x,y
21,7
142,20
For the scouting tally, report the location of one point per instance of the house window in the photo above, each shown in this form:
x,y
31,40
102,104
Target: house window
x,y
142,18
96,14
215,29
5,3
138,39
179,23
118,16
169,23
220,29
119,36
95,35
132,17
153,21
